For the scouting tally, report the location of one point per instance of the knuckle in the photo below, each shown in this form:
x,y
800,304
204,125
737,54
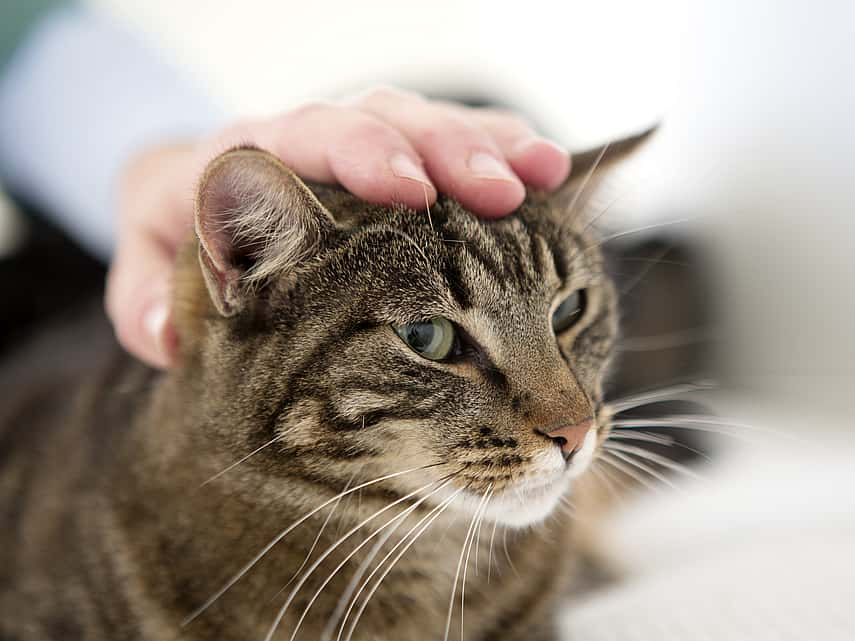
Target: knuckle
x,y
505,119
311,110
443,128
385,94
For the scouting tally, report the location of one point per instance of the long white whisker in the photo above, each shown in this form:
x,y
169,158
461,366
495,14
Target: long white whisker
x,y
313,546
606,458
480,515
647,437
478,532
600,473
330,550
666,341
239,461
399,517
459,566
646,270
586,179
490,555
673,392
430,517
508,556
644,467
246,568
636,230
654,458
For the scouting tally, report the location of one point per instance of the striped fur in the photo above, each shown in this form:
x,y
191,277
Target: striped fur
x,y
125,510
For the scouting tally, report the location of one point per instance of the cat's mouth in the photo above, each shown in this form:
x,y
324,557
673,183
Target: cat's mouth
x,y
535,495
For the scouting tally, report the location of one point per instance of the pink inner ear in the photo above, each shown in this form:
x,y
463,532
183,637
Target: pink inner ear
x,y
216,202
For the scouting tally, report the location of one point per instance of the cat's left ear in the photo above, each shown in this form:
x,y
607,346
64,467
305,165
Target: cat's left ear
x,y
592,165
255,219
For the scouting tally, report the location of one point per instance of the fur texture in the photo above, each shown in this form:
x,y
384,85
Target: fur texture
x,y
145,506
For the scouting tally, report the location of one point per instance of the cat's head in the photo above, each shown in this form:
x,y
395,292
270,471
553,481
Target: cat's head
x,y
350,341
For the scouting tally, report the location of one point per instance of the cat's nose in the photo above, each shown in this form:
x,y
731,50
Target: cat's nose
x,y
571,437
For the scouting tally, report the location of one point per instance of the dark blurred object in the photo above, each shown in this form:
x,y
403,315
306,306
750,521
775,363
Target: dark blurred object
x,y
666,318
46,279
665,314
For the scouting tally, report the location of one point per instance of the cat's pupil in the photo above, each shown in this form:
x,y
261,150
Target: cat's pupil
x,y
569,311
420,336
433,339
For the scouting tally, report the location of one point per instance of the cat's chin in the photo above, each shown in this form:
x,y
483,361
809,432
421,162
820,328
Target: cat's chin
x,y
533,499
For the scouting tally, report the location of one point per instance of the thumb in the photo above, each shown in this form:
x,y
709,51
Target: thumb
x,y
138,297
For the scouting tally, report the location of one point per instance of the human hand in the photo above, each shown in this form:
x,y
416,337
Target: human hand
x,y
385,146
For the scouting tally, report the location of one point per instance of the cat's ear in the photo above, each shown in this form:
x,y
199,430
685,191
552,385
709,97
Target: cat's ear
x,y
254,219
592,165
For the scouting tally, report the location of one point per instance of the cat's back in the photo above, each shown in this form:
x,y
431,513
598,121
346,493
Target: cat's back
x,y
57,430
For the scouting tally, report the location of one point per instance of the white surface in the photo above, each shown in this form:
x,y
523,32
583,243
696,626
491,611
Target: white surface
x,y
763,548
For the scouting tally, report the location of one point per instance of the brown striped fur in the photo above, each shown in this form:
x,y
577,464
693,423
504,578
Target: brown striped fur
x,y
116,524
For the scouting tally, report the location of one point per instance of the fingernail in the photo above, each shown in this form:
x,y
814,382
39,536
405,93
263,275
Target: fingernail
x,y
527,143
154,322
405,167
484,165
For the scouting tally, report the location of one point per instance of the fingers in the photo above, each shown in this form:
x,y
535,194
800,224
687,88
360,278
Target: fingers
x,y
537,161
461,157
389,146
385,146
333,143
156,207
137,298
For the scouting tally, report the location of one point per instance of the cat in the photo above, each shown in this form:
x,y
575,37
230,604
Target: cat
x,y
374,423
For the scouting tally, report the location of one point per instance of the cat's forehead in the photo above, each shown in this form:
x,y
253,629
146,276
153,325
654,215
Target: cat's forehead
x,y
447,257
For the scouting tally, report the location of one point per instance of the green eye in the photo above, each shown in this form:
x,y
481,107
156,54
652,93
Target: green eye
x,y
569,311
433,339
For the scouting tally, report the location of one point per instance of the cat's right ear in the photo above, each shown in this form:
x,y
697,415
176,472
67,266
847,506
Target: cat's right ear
x,y
255,219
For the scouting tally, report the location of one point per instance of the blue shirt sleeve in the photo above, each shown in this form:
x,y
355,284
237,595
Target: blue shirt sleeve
x,y
80,94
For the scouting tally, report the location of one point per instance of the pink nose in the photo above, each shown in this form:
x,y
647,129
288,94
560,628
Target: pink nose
x,y
571,437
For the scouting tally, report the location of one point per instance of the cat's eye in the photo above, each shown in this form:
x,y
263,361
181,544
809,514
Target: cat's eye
x,y
569,311
434,339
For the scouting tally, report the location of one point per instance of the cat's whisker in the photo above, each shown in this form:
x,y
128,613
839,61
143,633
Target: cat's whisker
x,y
644,467
571,208
667,441
490,554
459,565
667,340
659,260
478,530
507,555
430,517
308,573
636,230
239,461
483,509
605,210
400,518
427,207
665,462
246,568
646,437
703,424
313,546
605,474
673,392
602,474
607,458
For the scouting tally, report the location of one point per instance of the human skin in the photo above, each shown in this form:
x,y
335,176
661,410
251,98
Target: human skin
x,y
385,146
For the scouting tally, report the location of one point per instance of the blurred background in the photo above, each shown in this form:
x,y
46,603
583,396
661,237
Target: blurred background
x,y
752,168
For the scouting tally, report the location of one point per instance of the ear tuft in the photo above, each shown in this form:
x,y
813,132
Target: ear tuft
x,y
608,154
255,219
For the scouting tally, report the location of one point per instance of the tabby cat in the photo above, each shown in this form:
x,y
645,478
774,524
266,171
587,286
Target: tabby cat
x,y
375,421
